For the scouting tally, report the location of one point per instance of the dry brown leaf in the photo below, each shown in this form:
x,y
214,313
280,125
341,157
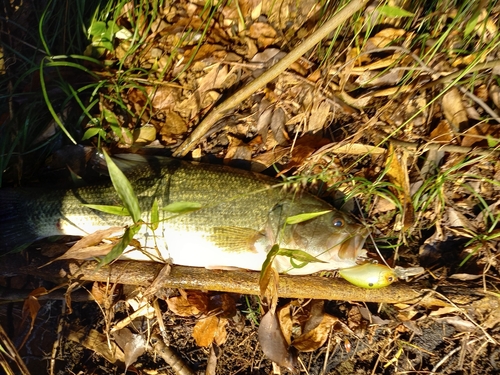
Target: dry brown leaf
x,y
444,310
315,338
302,149
84,249
376,79
98,343
464,277
205,51
31,307
164,97
265,56
144,135
205,330
397,171
359,103
278,122
181,306
486,27
442,133
356,149
221,333
199,300
273,343
454,110
174,125
286,323
456,219
383,205
477,134
212,361
99,292
384,38
263,32
320,114
494,94
133,345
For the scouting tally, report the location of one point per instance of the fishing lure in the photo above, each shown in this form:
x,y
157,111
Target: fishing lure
x,y
369,275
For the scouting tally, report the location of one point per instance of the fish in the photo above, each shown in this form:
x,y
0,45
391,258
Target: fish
x,y
242,216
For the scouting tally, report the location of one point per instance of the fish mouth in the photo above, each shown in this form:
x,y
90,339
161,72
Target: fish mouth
x,y
352,247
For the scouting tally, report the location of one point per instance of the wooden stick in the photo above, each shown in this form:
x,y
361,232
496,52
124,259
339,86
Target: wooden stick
x,y
243,282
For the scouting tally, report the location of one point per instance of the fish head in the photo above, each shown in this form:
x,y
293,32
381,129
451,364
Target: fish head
x,y
333,238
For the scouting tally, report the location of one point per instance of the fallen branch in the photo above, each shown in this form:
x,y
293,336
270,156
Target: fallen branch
x,y
246,282
218,112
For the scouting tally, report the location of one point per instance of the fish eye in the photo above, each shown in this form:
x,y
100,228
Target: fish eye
x,y
338,223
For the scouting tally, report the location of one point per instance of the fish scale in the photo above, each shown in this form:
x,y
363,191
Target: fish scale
x,y
242,216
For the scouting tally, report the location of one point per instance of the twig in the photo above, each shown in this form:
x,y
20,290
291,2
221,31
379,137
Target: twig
x,y
414,147
170,356
218,112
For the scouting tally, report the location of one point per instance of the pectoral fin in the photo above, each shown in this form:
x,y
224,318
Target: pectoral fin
x,y
236,239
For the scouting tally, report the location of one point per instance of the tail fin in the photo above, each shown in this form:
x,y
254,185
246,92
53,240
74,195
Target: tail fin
x,y
16,230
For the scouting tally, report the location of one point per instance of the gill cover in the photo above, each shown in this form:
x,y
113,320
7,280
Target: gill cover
x,y
369,275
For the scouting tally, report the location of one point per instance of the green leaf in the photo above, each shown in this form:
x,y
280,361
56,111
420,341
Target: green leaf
x,y
299,255
269,261
97,28
296,219
182,207
492,142
124,189
118,249
113,210
469,28
393,12
155,215
111,30
90,132
110,117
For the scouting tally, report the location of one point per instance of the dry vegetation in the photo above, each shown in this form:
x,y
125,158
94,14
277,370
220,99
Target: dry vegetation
x,y
395,114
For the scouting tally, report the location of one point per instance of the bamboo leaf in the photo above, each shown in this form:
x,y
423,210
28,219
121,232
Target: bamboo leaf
x,y
300,256
124,189
269,260
296,219
113,210
182,207
118,249
393,12
155,215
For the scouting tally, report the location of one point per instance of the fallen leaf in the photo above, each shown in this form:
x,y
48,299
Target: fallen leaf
x,y
320,114
315,338
181,306
442,133
273,343
397,172
205,330
133,345
98,343
384,38
84,249
144,135
221,332
31,307
454,110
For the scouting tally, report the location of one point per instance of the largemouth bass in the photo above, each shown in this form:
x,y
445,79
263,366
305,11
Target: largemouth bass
x,y
242,215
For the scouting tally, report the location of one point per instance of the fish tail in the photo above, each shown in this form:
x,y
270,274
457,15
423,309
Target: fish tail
x,y
16,229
